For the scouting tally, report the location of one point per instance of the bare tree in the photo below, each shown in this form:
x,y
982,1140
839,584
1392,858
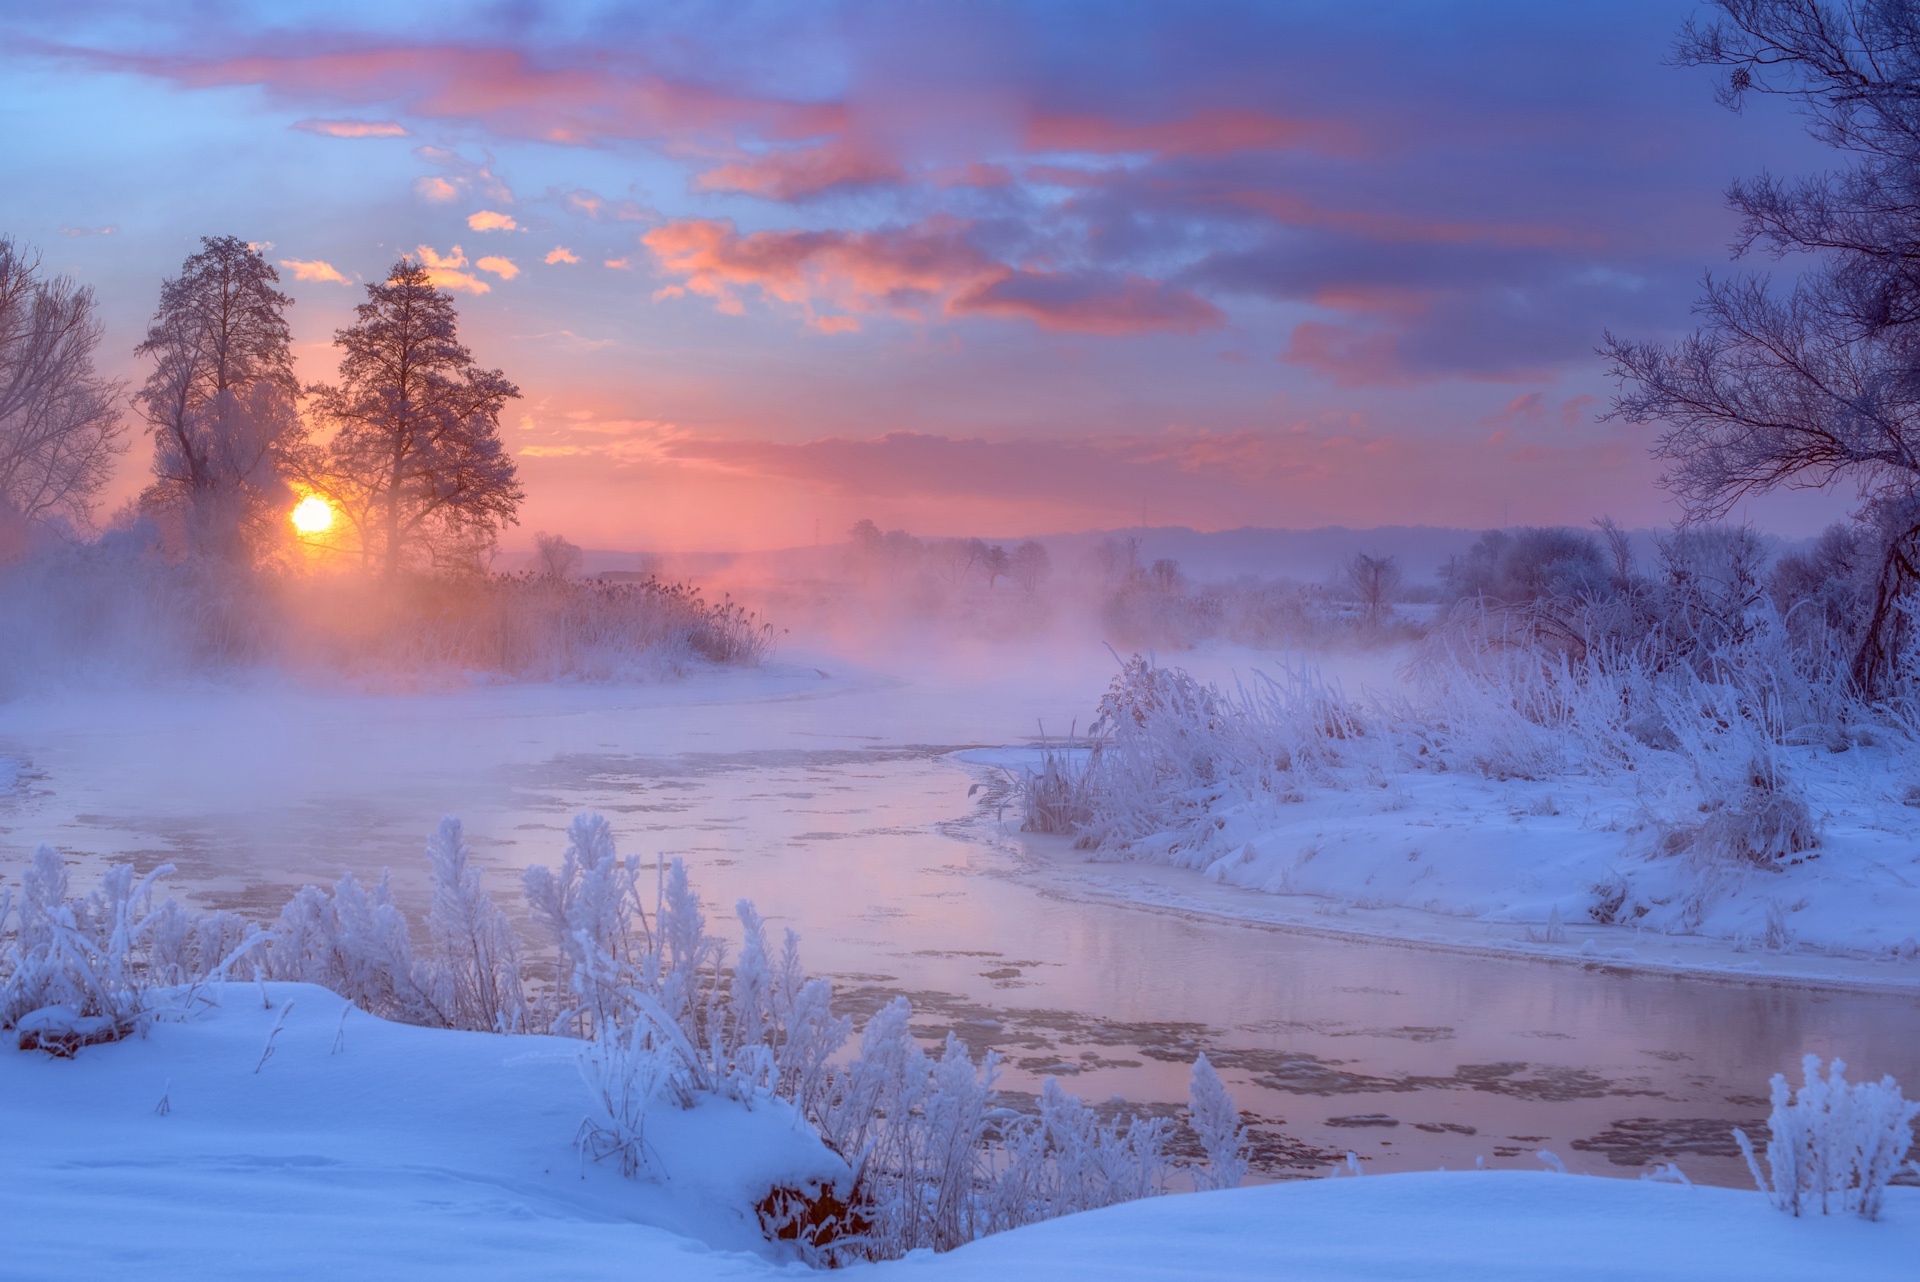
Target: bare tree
x,y
994,563
558,557
59,430
416,459
1814,385
221,398
1374,580
1031,564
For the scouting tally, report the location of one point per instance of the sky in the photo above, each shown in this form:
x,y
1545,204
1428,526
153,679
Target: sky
x,y
763,269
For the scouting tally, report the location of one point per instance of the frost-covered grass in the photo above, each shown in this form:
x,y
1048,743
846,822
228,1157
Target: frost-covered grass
x,y
1756,804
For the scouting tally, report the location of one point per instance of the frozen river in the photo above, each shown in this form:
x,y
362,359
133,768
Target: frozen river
x,y
832,797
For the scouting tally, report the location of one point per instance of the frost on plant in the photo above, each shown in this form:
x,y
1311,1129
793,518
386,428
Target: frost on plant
x,y
1835,1144
76,970
1215,1120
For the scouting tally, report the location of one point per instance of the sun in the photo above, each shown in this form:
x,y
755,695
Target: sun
x,y
312,515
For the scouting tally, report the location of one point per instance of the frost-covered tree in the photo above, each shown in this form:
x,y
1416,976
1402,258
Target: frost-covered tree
x,y
1217,1122
1809,386
59,430
221,399
416,459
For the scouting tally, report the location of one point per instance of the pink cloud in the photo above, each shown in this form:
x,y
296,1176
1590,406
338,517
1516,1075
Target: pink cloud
x,y
456,257
1352,357
795,173
314,270
489,220
501,89
561,254
504,268
437,190
352,128
1111,306
444,271
1574,411
921,271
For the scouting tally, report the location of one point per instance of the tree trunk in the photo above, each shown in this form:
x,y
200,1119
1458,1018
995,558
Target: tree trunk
x,y
1873,662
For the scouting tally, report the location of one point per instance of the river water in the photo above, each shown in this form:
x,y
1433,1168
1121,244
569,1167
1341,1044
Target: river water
x,y
835,802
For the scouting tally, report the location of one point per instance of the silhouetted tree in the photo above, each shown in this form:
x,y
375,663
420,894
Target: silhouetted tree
x,y
557,556
417,458
869,547
59,430
221,399
1374,580
1031,564
1816,384
994,563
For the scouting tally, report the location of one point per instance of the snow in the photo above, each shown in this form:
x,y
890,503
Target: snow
x,y
1470,862
425,1153
1498,839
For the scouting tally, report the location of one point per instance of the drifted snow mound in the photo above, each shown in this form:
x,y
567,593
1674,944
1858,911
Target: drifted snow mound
x,y
365,1149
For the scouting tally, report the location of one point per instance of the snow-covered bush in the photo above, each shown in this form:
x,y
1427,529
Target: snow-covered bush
x,y
1835,1144
594,919
1175,748
474,972
354,942
75,969
624,1073
1217,1122
1064,1159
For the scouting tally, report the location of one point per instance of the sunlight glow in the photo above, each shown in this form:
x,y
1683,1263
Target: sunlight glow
x,y
312,515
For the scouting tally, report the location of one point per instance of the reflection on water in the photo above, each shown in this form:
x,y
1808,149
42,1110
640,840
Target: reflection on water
x,y
898,883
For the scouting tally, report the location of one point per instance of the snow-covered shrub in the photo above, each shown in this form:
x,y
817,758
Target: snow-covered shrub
x,y
1064,1159
593,917
1217,1122
474,972
1834,1144
913,1127
1178,747
624,1072
355,943
189,947
75,971
1757,813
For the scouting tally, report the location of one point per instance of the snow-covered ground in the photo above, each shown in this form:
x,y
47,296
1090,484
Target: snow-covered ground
x,y
1517,867
373,1150
1589,863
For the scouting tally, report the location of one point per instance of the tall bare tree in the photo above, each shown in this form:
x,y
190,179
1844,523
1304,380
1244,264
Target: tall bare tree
x,y
221,399
59,428
1816,384
416,458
